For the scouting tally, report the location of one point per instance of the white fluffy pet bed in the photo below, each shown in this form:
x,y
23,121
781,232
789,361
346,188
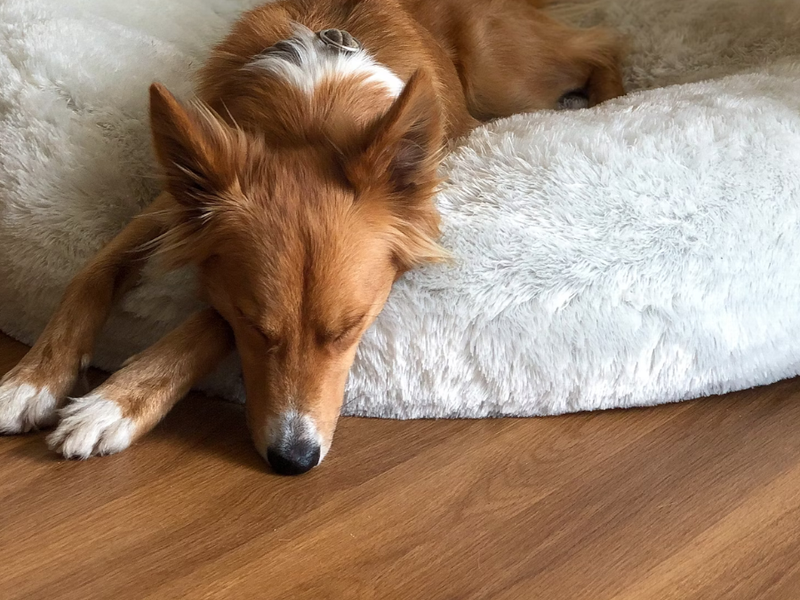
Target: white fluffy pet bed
x,y
641,252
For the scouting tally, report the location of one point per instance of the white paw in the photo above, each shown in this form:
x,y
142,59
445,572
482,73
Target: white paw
x,y
24,407
91,425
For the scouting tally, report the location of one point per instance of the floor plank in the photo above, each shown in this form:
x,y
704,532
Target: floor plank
x,y
698,500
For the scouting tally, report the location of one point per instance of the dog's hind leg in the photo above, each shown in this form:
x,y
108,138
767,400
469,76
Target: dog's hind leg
x,y
596,54
32,391
512,57
135,398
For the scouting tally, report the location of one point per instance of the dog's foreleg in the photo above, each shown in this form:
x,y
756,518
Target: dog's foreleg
x,y
135,398
32,391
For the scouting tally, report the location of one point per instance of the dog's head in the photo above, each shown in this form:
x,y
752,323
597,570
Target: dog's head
x,y
298,245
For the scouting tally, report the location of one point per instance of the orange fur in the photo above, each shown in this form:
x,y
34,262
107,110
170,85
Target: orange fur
x,y
301,209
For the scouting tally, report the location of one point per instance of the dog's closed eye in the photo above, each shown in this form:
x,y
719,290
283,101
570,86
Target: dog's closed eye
x,y
342,333
270,338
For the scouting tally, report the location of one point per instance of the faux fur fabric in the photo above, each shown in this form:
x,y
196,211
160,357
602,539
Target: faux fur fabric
x,y
640,252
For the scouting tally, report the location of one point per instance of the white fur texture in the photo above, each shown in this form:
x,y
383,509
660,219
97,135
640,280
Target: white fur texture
x,y
24,407
640,252
317,64
89,426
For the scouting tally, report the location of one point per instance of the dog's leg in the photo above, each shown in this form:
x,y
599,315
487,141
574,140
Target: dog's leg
x,y
32,391
514,58
134,399
598,52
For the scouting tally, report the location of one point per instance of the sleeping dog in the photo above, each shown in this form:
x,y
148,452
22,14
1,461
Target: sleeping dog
x,y
300,184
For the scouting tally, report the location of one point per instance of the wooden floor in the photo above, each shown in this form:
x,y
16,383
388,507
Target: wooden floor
x,y
699,500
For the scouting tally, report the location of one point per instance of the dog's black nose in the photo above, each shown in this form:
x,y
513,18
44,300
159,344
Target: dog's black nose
x,y
295,459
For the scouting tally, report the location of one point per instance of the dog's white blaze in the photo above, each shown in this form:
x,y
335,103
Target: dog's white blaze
x,y
91,425
318,64
292,426
24,407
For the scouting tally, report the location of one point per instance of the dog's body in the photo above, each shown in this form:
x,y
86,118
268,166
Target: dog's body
x,y
302,188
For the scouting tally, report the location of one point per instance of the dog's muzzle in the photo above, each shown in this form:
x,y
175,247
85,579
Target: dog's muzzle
x,y
293,444
294,459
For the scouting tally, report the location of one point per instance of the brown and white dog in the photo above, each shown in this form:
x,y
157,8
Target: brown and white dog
x,y
301,185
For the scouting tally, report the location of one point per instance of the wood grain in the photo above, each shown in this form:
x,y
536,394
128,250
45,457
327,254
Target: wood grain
x,y
699,500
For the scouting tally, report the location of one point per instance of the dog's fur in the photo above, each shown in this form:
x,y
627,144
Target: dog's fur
x,y
301,184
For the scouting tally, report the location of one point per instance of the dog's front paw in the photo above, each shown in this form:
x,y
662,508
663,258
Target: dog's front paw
x,y
24,406
92,425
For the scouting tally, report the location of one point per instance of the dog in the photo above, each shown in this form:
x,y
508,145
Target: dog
x,y
301,186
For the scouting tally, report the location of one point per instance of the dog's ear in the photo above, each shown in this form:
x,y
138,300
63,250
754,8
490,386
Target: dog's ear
x,y
397,164
193,146
403,147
